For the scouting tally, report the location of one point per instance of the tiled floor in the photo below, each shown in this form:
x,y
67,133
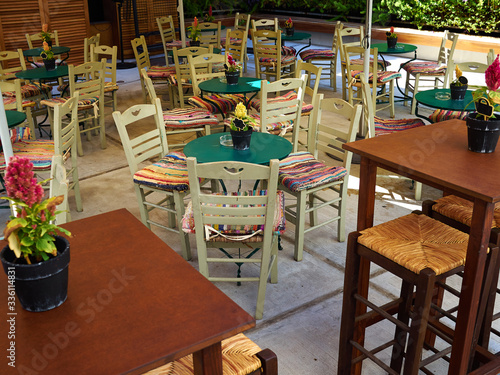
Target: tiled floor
x,y
302,312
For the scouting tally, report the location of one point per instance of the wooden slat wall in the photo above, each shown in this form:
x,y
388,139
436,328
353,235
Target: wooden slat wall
x,y
69,17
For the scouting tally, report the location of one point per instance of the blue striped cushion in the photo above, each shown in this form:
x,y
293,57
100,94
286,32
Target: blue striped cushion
x,y
389,126
169,173
300,171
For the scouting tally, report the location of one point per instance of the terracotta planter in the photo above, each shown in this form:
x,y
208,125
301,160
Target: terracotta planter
x,y
241,139
482,135
458,92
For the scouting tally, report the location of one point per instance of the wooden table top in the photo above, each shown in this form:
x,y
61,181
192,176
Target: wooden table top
x,y
133,304
437,154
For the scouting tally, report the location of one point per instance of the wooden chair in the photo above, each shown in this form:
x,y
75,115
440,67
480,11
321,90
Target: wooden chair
x,y
158,74
255,209
472,68
236,45
305,177
325,58
269,59
161,185
347,37
167,33
378,126
58,185
265,24
11,62
187,121
241,23
93,41
418,72
13,100
110,85
208,36
381,81
239,354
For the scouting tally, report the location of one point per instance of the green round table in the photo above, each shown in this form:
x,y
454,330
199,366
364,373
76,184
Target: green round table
x,y
42,74
35,52
400,48
244,86
441,99
263,148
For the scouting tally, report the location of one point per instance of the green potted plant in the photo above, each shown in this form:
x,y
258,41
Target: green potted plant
x,y
232,71
194,33
289,28
483,126
38,258
241,128
459,86
392,38
209,17
48,57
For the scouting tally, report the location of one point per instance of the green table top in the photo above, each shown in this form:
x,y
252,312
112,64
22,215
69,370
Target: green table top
x,y
245,85
15,118
431,99
263,147
35,52
42,73
400,48
298,35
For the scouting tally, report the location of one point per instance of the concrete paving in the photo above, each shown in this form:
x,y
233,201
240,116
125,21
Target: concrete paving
x,y
303,310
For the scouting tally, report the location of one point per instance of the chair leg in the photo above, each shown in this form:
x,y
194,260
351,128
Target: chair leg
x,y
102,128
342,213
144,93
407,89
418,190
76,188
79,140
300,225
400,334
269,362
391,98
274,257
141,198
179,209
415,91
264,274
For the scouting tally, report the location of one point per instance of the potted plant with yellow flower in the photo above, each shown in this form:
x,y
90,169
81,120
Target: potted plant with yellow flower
x,y
195,33
48,57
35,261
483,126
232,70
241,128
459,86
289,28
392,38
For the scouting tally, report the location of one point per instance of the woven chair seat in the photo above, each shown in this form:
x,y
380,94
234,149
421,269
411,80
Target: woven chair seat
x,y
216,103
238,230
300,171
30,89
425,68
169,173
233,41
443,115
311,54
288,51
160,72
291,95
286,60
238,358
460,210
389,126
188,118
24,104
417,242
83,104
382,77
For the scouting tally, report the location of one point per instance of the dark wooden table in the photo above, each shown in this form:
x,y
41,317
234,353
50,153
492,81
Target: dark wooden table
x,y
133,304
437,155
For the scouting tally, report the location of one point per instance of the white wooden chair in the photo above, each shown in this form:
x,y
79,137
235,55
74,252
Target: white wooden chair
x,y
242,23
58,185
347,37
110,84
15,101
168,38
303,175
236,45
229,213
92,41
265,24
208,36
163,184
37,39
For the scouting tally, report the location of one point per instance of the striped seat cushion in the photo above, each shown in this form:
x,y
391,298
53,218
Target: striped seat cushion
x,y
30,89
19,133
216,103
277,128
169,173
382,76
285,60
172,80
443,114
310,54
300,171
110,86
278,223
291,95
233,41
39,152
425,68
361,61
12,100
288,51
188,118
159,72
174,43
389,126
83,104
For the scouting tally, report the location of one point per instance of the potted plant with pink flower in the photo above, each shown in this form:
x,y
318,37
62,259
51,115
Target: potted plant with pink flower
x,y
232,70
35,259
483,126
209,17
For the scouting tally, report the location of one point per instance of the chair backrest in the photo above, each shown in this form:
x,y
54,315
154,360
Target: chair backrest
x,y
447,48
94,41
110,55
35,40
167,32
282,111
141,53
139,146
368,110
233,209
10,63
327,137
475,80
236,50
265,24
59,185
202,69
266,46
148,83
88,79
313,77
210,34
13,85
354,61
335,43
65,135
491,56
242,22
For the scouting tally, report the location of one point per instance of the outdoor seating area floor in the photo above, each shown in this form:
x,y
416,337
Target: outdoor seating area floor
x,y
302,311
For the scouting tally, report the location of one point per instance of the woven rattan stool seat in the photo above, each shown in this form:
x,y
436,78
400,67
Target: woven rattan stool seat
x,y
460,209
238,358
417,242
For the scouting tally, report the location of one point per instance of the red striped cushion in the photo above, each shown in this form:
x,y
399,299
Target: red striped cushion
x,y
12,100
188,118
285,60
30,89
425,68
442,115
39,152
306,108
389,126
310,54
216,103
382,76
169,173
157,72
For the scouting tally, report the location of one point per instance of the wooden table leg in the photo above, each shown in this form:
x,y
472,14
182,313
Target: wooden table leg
x,y
471,287
208,361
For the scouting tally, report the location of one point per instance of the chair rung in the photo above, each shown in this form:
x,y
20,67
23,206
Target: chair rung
x,y
381,312
448,288
162,226
326,203
322,224
374,351
373,358
435,357
242,279
233,260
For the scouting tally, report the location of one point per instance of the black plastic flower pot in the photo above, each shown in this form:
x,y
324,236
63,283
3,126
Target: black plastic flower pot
x,y
241,139
458,92
290,31
50,64
194,43
232,77
482,135
391,42
41,286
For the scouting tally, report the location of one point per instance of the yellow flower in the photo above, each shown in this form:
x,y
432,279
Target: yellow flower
x,y
458,72
46,46
240,111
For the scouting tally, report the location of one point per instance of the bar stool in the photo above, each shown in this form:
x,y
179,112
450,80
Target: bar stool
x,y
417,249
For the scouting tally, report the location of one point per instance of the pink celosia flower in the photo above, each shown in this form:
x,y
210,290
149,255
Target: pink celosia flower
x,y
492,75
392,29
20,181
